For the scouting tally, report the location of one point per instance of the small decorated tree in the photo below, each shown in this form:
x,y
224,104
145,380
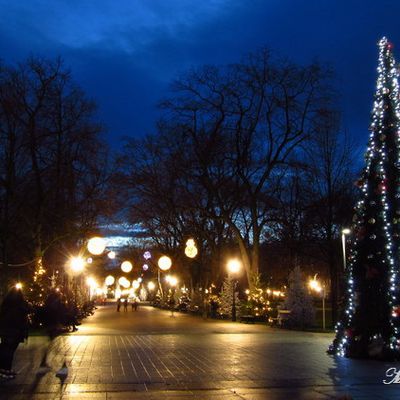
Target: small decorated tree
x,y
226,298
39,286
298,301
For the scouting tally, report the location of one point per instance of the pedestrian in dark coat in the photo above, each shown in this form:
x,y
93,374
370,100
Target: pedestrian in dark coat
x,y
126,304
14,325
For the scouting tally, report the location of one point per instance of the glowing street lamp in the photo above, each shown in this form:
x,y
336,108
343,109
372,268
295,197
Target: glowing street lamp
x,y
173,281
345,231
234,266
18,285
91,282
77,264
316,286
96,245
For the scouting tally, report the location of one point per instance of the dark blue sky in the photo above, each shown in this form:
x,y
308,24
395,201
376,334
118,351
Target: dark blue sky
x,y
124,53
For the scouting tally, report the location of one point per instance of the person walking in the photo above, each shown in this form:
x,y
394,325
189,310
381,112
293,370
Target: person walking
x,y
135,304
126,304
118,303
14,325
171,303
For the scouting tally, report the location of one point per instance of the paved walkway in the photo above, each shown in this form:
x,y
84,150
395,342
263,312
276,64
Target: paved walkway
x,y
150,355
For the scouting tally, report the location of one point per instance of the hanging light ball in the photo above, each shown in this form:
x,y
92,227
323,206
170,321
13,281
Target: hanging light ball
x,y
111,255
164,263
371,221
96,245
126,266
191,251
124,282
145,267
147,255
110,280
135,284
190,243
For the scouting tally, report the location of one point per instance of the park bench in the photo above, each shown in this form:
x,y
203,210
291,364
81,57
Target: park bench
x,y
248,319
283,317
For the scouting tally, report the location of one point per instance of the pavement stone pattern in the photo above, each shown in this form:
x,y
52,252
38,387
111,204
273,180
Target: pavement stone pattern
x,y
221,360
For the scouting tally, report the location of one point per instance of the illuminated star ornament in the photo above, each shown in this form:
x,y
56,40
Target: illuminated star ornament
x,y
369,327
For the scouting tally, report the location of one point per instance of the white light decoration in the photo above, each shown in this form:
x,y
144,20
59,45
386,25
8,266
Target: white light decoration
x,y
140,279
147,255
164,263
151,286
96,245
145,267
109,280
191,249
89,260
190,243
126,266
191,252
18,286
111,255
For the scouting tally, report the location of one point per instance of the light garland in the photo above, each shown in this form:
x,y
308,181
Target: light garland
x,y
387,92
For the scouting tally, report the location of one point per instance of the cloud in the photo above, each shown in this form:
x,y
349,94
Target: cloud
x,y
125,52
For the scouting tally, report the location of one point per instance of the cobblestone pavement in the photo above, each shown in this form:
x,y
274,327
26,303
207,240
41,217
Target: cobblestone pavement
x,y
151,355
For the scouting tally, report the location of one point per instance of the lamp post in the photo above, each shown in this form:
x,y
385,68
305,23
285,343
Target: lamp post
x,y
345,231
233,266
76,265
317,287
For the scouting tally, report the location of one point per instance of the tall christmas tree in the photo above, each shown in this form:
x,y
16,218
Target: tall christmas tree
x,y
370,325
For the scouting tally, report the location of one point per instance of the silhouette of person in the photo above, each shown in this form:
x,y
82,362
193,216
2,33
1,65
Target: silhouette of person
x,y
125,304
14,325
118,304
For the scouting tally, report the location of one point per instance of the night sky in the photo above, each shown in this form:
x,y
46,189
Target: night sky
x,y
124,53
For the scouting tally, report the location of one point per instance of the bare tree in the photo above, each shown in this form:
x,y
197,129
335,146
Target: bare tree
x,y
239,125
53,161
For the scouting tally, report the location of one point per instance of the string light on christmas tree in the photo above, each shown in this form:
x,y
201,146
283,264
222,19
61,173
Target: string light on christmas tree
x,y
374,257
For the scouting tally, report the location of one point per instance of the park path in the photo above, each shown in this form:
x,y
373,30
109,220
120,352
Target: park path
x,y
150,355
